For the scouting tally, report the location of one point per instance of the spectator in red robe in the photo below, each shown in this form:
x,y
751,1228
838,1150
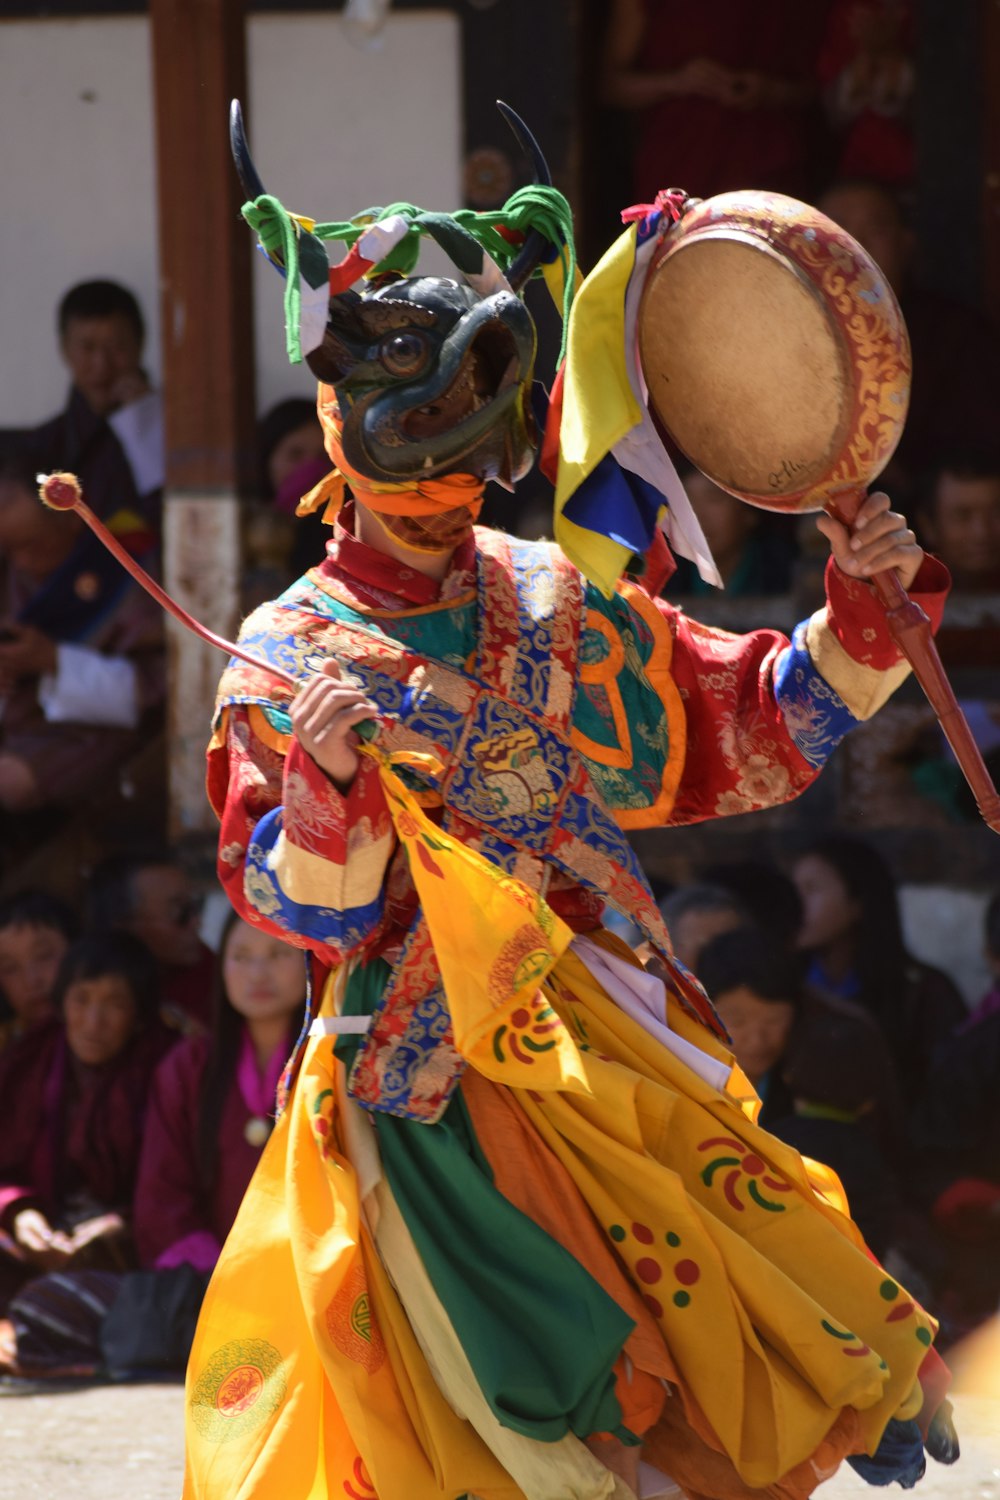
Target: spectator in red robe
x,y
867,70
74,1093
724,94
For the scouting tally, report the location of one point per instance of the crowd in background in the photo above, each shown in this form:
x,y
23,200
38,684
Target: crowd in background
x,y
138,1064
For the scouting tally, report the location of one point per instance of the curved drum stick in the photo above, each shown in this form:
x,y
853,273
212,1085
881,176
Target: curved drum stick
x,y
63,492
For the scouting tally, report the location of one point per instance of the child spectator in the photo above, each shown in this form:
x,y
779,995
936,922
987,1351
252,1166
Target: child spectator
x,y
81,650
110,433
958,513
74,1094
150,895
35,931
853,938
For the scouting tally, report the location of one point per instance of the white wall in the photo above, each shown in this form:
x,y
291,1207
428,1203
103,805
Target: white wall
x,y
333,129
78,188
946,927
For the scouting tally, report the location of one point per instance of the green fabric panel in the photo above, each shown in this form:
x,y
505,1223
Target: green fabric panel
x,y
541,1335
448,635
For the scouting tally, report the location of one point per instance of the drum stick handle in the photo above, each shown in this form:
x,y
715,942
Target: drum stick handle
x,y
62,492
911,630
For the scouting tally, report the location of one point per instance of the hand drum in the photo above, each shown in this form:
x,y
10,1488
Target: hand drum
x,y
774,351
776,357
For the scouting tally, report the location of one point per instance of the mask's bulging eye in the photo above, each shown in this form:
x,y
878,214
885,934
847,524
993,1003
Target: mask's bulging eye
x,y
403,353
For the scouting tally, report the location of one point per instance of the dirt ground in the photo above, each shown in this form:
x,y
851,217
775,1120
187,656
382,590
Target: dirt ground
x,y
126,1442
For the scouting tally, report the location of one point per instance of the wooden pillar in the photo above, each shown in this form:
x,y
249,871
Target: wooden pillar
x,y
199,65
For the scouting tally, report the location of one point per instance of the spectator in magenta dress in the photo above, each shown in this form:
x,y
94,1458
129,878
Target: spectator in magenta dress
x,y
212,1103
74,1094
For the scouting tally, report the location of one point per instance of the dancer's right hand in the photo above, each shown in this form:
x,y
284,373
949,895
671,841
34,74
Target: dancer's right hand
x,y
323,718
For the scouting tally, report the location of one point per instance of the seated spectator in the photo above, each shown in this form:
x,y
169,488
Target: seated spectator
x,y
74,1094
110,433
696,913
853,938
757,989
754,552
151,896
958,514
834,1084
212,1103
955,393
35,931
211,1110
81,650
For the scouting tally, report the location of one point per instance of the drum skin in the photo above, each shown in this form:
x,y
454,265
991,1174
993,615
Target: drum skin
x,y
774,351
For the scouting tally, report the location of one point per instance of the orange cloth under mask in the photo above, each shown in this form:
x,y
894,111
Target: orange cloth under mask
x,y
428,497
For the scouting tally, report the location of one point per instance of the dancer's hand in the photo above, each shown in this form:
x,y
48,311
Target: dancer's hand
x,y
880,539
323,718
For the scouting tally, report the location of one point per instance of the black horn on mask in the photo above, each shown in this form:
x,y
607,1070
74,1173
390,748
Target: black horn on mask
x,y
536,245
247,172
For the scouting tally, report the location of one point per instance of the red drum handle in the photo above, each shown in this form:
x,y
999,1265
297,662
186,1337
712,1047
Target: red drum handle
x,y
911,630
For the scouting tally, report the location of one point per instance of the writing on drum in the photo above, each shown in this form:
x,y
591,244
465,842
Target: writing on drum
x,y
789,469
